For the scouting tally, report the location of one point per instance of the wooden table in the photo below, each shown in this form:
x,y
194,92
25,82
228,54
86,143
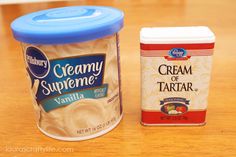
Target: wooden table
x,y
19,135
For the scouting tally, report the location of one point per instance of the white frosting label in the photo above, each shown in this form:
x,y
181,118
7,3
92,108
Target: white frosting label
x,y
76,87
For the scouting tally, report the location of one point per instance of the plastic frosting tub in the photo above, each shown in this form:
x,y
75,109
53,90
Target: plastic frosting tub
x,y
72,59
176,67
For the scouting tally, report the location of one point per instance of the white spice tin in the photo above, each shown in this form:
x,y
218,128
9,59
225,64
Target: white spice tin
x,y
176,67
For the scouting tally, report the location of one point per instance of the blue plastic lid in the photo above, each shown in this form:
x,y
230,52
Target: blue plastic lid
x,y
67,25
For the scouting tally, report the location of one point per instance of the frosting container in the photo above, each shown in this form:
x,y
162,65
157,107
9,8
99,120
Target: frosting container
x,y
176,67
72,61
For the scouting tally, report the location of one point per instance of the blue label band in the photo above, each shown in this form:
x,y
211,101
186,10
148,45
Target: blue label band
x,y
80,76
67,99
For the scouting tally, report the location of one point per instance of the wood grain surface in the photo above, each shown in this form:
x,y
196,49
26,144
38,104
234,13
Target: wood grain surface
x,y
19,135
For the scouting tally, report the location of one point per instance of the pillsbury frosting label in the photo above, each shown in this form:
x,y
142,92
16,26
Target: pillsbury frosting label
x,y
66,80
75,87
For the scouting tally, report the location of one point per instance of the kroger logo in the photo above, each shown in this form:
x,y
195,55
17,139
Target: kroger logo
x,y
177,52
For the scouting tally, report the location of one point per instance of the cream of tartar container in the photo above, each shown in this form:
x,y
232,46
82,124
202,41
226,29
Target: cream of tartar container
x,y
72,61
176,67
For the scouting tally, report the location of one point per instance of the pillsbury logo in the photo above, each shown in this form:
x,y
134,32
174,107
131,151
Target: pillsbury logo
x,y
177,52
37,62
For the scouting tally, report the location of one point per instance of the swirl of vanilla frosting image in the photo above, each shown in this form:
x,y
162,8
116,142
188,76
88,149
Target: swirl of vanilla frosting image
x,y
34,90
53,122
75,49
111,74
85,113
